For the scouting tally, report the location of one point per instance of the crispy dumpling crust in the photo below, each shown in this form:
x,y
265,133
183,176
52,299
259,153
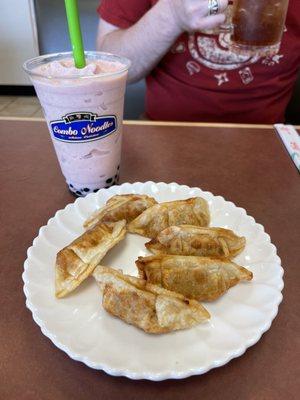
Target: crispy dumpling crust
x,y
193,211
118,207
146,306
199,278
76,262
189,240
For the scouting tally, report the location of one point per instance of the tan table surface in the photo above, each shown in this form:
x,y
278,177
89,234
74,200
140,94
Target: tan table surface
x,y
248,166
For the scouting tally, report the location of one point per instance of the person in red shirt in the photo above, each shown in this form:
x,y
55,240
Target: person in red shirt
x,y
193,76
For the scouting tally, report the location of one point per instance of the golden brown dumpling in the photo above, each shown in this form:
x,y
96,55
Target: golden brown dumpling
x,y
149,307
121,206
192,211
189,240
200,278
77,261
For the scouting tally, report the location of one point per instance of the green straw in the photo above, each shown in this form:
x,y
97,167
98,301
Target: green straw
x,y
75,33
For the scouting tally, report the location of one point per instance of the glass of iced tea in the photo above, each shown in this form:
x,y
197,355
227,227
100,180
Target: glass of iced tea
x,y
258,25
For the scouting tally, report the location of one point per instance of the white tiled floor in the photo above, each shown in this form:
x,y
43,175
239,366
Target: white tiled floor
x,y
5,101
20,106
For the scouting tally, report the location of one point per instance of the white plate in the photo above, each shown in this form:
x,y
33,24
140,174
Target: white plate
x,y
79,326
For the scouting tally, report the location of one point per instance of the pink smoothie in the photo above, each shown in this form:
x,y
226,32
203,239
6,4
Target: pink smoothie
x,y
84,112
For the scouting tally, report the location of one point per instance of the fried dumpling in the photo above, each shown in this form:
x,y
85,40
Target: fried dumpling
x,y
189,240
121,206
200,278
192,211
76,262
146,306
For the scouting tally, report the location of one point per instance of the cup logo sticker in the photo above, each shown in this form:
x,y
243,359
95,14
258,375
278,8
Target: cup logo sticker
x,y
83,127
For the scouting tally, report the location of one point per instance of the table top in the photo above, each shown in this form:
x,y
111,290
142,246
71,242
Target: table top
x,y
246,165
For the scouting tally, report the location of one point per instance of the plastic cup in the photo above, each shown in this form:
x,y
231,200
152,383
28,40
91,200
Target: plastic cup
x,y
84,114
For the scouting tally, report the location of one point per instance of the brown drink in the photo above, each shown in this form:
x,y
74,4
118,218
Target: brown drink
x,y
258,24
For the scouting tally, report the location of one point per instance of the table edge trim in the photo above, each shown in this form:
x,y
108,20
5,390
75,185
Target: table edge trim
x,y
163,123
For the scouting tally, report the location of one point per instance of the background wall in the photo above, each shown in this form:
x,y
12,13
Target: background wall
x,y
17,40
53,29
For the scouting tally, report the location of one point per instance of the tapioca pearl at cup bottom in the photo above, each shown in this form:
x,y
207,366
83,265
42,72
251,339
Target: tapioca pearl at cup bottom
x,y
73,192
71,188
79,192
82,191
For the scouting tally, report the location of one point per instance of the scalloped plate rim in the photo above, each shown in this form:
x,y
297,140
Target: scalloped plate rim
x,y
159,376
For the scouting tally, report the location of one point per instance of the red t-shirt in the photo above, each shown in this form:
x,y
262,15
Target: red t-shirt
x,y
200,79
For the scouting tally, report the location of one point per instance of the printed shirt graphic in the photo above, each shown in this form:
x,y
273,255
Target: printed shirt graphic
x,y
200,79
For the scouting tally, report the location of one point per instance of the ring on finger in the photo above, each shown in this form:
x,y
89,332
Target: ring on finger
x,y
213,7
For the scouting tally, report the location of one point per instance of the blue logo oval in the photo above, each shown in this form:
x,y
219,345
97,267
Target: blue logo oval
x,y
83,127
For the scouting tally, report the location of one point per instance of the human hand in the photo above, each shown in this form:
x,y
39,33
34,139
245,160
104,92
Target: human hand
x,y
192,15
